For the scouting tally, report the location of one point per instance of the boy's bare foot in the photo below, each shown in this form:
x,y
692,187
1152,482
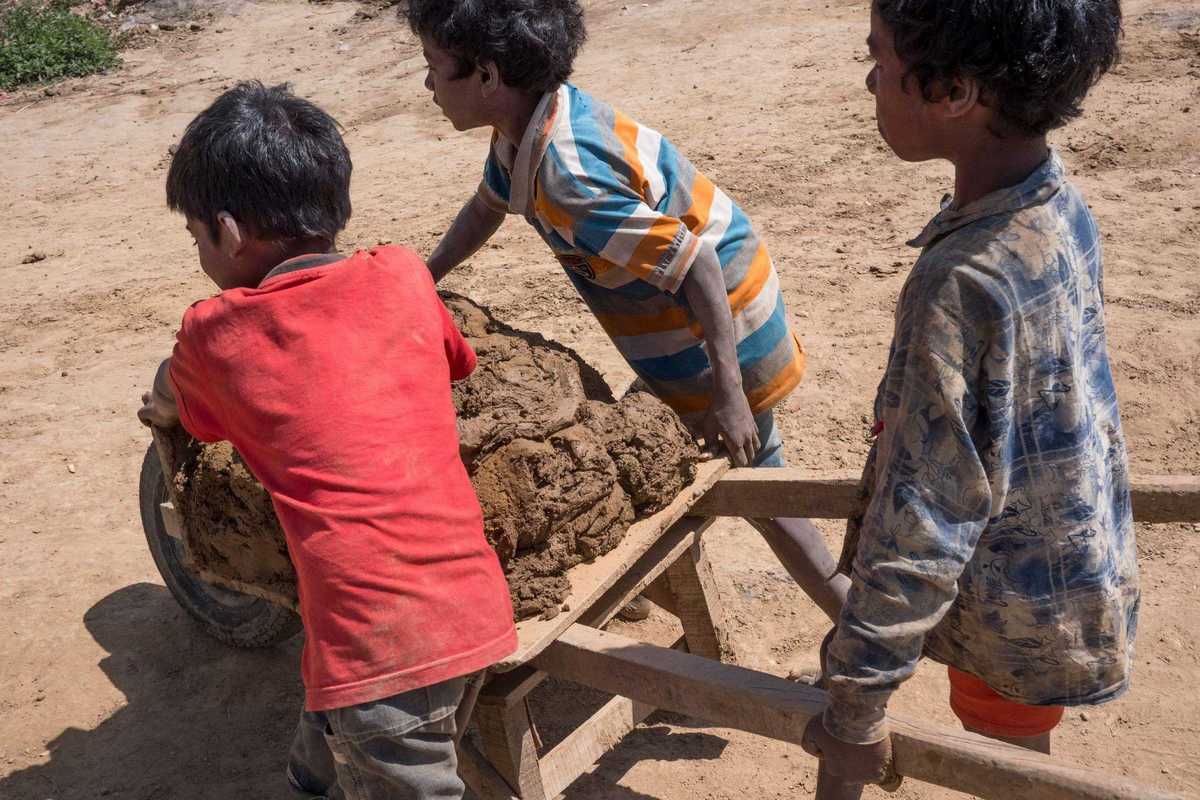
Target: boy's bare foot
x,y
813,673
808,674
635,610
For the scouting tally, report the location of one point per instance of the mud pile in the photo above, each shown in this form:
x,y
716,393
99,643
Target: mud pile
x,y
561,469
231,527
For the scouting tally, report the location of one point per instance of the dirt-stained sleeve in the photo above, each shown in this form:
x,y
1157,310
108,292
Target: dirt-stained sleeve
x,y
192,384
930,503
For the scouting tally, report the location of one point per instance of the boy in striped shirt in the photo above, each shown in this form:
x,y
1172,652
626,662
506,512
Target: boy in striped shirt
x,y
668,263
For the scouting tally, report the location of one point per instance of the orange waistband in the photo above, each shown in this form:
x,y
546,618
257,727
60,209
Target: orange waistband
x,y
981,709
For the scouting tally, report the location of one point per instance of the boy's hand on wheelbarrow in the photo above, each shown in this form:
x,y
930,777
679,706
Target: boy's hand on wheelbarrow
x,y
154,413
158,404
852,763
730,421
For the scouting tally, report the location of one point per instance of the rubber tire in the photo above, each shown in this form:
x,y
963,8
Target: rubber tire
x,y
232,617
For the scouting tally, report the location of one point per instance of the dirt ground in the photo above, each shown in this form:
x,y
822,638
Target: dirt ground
x,y
108,690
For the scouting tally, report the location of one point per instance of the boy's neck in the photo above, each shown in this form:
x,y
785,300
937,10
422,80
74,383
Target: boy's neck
x,y
270,255
987,164
516,114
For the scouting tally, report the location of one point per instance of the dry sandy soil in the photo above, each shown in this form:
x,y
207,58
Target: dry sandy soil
x,y
108,690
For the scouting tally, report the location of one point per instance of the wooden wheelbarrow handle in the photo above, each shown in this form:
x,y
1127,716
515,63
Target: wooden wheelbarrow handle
x,y
466,707
735,697
167,443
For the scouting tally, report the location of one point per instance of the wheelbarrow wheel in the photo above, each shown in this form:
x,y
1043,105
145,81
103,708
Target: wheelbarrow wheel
x,y
235,618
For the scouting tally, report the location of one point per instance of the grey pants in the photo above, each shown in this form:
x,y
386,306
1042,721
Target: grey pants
x,y
398,748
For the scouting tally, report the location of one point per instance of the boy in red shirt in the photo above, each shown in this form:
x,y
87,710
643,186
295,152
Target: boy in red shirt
x,y
331,376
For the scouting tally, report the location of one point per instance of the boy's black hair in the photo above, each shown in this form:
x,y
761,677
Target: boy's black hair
x,y
1035,60
532,42
274,161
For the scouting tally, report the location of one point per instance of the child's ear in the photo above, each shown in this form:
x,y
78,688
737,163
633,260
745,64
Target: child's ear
x,y
489,78
232,238
962,95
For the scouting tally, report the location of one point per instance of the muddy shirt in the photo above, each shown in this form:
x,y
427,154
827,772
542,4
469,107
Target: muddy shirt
x,y
626,214
333,382
997,535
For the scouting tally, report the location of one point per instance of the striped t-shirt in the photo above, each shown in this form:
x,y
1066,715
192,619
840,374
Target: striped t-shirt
x,y
626,214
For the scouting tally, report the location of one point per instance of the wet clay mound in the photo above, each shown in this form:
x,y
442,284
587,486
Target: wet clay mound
x,y
231,524
560,468
654,454
547,505
524,385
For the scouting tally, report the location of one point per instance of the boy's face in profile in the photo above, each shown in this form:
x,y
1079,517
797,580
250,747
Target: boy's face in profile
x,y
901,112
460,98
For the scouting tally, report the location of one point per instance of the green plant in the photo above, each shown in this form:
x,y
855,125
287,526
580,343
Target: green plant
x,y
42,43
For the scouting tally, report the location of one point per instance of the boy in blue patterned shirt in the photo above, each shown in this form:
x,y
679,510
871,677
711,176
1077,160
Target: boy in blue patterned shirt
x,y
996,534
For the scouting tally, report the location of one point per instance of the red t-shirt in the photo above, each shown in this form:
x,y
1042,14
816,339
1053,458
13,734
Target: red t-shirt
x,y
333,382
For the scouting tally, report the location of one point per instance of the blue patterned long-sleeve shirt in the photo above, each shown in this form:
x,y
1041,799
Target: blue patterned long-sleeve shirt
x,y
996,533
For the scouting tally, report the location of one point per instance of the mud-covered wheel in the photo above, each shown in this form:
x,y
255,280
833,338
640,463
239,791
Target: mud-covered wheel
x,y
233,617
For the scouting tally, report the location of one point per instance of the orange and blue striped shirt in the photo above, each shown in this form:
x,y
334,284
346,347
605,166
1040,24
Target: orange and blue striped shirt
x,y
626,214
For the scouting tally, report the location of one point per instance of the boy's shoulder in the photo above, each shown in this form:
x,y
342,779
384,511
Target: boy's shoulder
x,y
1015,234
200,314
393,271
591,146
398,261
584,127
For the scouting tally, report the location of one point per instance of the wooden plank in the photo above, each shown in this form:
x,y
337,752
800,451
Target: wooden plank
x,y
481,776
173,447
172,521
585,745
590,741
734,697
698,606
170,445
1166,498
659,592
509,746
698,687
466,706
648,569
994,770
590,581
770,493
509,688
254,590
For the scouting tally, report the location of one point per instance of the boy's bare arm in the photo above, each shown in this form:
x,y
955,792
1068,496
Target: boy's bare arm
x,y
729,415
470,230
158,404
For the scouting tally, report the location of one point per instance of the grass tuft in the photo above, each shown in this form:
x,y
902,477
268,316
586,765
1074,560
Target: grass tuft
x,y
40,43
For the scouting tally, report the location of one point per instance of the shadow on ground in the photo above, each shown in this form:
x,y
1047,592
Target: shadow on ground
x,y
560,706
204,720
654,741
201,720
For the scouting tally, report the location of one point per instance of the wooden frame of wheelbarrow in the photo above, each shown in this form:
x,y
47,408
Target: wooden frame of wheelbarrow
x,y
664,558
